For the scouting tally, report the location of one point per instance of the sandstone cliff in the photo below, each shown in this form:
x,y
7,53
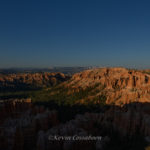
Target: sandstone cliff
x,y
118,85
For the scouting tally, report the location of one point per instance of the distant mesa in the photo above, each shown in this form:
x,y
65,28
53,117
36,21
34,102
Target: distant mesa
x,y
23,81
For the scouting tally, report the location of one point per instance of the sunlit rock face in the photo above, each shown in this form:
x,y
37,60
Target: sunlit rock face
x,y
24,126
119,85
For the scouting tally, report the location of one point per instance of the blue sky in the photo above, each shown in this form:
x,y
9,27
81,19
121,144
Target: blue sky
x,y
74,33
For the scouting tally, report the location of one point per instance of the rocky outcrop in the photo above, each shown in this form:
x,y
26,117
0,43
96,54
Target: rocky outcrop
x,y
20,133
13,108
30,80
37,127
128,122
23,126
119,85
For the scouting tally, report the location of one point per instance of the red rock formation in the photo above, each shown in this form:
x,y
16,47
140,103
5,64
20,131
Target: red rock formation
x,y
119,85
28,80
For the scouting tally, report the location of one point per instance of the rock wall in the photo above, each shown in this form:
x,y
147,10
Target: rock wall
x,y
119,85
